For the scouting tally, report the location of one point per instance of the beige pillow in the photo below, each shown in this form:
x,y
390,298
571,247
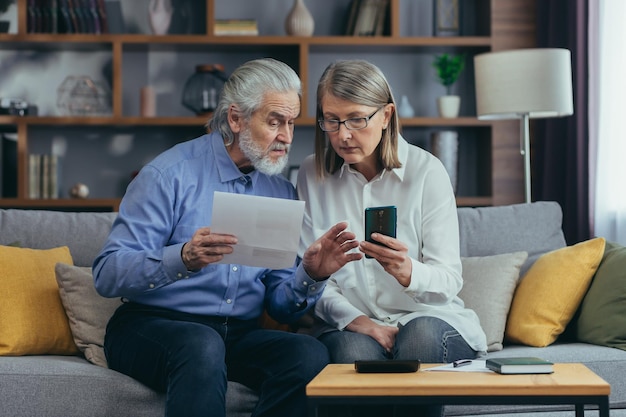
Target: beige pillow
x,y
32,318
550,292
488,286
88,312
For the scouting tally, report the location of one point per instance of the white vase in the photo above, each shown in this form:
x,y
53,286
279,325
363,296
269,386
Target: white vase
x,y
299,21
448,106
445,146
404,108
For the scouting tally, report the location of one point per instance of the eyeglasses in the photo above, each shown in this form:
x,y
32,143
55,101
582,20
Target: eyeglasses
x,y
357,123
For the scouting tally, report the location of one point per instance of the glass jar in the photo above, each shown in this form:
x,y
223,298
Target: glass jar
x,y
201,91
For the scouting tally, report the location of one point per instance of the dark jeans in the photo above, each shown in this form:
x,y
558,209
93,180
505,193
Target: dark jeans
x,y
191,358
429,339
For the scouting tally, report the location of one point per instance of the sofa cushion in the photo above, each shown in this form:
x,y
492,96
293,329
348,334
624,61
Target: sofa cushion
x,y
32,318
84,233
88,311
550,292
534,228
488,286
602,319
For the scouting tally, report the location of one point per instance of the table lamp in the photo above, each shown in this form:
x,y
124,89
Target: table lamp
x,y
524,84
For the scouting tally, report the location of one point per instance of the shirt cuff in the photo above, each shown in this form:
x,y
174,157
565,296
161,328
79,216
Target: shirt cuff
x,y
173,262
307,285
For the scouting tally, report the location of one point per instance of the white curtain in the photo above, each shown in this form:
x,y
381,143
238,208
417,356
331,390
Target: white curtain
x,y
607,118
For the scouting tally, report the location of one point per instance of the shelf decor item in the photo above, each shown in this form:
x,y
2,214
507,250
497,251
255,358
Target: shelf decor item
x,y
446,18
4,7
82,96
299,21
524,84
405,109
147,101
202,89
449,67
445,146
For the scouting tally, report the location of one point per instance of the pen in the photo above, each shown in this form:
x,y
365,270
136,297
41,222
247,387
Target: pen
x,y
461,362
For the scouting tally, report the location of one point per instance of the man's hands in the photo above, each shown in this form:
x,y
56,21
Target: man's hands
x,y
384,335
394,257
330,252
205,248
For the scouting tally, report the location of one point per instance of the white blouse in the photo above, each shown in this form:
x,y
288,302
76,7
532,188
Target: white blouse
x,y
427,224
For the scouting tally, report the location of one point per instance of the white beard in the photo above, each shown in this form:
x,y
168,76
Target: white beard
x,y
260,159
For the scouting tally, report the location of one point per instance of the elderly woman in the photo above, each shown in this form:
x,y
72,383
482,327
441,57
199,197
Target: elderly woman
x,y
401,301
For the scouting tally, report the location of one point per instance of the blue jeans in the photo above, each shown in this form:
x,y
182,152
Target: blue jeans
x,y
429,339
191,357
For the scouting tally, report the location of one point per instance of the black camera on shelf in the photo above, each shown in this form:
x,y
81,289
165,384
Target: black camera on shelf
x,y
16,107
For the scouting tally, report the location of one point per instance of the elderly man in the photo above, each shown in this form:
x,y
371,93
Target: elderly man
x,y
188,323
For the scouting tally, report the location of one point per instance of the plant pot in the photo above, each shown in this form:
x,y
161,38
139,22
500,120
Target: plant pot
x,y
448,106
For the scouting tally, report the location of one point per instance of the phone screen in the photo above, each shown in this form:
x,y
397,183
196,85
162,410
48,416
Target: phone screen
x,y
380,220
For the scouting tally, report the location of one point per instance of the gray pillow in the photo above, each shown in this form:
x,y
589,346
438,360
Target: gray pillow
x,y
488,286
88,312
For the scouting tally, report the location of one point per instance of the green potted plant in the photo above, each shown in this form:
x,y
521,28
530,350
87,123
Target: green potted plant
x,y
449,67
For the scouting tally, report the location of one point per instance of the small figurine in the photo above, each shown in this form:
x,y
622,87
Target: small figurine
x,y
79,190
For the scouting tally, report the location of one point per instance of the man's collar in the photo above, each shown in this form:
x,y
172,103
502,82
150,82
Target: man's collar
x,y
226,167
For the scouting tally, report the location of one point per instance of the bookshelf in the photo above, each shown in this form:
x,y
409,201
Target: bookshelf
x,y
490,168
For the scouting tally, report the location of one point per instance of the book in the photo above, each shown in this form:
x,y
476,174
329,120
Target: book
x,y
520,365
8,169
352,16
225,27
365,22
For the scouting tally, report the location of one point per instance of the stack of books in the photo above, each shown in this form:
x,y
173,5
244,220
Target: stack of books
x,y
236,27
67,16
43,176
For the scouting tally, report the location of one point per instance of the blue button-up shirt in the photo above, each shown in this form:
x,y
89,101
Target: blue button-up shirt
x,y
164,205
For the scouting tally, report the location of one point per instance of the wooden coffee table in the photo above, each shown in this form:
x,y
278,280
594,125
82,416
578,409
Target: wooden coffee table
x,y
571,383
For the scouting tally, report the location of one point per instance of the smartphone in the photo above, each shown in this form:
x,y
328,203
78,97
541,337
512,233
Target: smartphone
x,y
386,366
380,220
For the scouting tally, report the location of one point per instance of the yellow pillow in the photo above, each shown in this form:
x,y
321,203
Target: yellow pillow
x,y
550,292
32,318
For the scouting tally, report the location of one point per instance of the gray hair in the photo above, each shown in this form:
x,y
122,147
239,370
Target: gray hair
x,y
363,83
246,88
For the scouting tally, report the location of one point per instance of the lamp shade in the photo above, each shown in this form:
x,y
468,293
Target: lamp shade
x,y
532,82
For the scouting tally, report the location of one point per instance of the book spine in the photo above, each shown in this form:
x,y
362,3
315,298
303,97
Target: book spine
x,y
102,15
66,25
34,176
53,10
94,16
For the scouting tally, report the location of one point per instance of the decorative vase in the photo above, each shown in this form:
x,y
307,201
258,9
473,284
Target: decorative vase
x,y
299,21
448,106
147,101
203,87
445,146
405,109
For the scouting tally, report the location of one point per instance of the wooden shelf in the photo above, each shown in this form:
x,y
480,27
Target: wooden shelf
x,y
510,25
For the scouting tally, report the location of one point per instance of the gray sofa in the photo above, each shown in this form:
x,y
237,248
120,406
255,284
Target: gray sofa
x,y
68,386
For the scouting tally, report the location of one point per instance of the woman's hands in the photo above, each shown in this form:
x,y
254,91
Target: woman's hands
x,y
384,335
330,252
393,256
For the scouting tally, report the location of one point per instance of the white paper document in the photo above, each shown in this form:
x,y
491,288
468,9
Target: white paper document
x,y
476,365
267,229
